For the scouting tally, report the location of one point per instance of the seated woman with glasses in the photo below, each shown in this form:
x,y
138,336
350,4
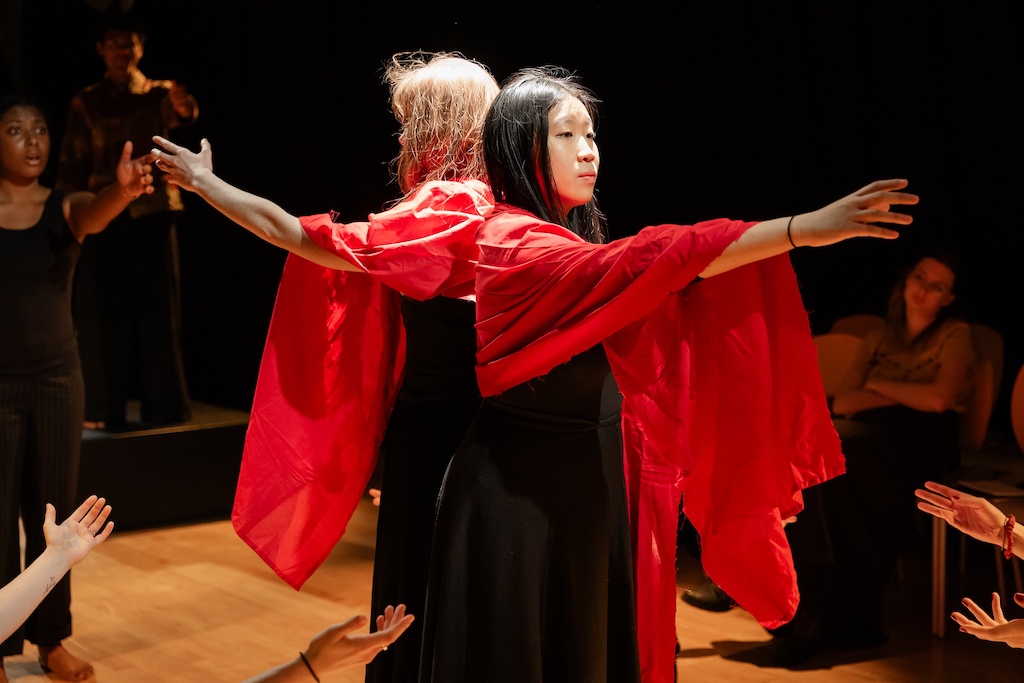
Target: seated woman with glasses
x,y
898,416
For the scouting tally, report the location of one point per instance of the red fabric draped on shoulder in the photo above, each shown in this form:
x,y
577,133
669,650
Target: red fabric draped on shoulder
x,y
544,294
332,364
423,247
721,394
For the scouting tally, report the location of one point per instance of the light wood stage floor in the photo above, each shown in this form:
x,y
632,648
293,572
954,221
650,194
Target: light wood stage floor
x,y
193,603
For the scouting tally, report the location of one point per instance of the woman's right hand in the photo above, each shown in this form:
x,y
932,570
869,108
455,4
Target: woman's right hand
x,y
854,216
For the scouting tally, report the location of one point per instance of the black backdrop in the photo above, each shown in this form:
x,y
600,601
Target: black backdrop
x,y
746,110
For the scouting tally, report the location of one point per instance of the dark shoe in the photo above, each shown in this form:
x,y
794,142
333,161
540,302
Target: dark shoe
x,y
781,631
708,596
809,638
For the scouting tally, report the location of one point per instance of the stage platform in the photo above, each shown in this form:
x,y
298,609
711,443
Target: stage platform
x,y
162,476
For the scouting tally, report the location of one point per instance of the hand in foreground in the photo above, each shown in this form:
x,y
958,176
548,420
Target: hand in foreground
x,y
181,165
135,175
995,628
79,533
334,648
974,516
375,495
854,215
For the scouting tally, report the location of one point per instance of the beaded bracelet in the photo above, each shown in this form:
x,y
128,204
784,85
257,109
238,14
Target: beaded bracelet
x,y
1008,536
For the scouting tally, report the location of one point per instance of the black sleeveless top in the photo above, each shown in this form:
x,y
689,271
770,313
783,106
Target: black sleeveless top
x,y
37,335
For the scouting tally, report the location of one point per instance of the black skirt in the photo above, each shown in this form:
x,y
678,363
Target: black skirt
x,y
531,572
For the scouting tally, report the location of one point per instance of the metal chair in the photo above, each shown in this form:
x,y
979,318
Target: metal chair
x,y
1007,503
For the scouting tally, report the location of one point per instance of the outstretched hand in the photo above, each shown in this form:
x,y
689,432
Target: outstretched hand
x,y
855,215
79,533
135,175
995,627
974,516
337,647
182,165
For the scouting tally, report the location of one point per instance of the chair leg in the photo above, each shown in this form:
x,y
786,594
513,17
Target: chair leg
x,y
1000,573
938,577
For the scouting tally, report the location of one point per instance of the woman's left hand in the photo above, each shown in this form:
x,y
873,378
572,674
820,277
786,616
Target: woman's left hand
x,y
855,215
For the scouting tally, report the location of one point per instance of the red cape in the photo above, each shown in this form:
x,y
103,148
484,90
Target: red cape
x,y
332,364
740,430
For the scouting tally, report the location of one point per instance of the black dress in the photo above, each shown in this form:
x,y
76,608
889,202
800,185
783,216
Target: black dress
x,y
531,572
436,402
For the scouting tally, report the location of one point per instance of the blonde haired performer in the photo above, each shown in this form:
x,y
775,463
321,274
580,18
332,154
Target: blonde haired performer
x,y
350,353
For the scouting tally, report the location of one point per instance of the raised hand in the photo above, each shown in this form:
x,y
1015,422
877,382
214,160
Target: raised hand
x,y
974,516
854,215
180,101
135,175
181,165
82,531
996,627
337,647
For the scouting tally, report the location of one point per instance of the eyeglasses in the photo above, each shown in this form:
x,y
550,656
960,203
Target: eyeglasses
x,y
938,288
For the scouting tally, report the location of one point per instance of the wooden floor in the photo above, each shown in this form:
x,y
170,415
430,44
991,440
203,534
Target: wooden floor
x,y
194,604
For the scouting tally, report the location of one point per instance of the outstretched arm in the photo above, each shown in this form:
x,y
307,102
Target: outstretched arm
x,y
66,546
972,515
995,628
88,213
263,218
338,648
851,216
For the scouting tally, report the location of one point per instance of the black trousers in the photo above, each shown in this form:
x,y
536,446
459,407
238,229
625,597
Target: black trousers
x,y
40,442
854,528
127,308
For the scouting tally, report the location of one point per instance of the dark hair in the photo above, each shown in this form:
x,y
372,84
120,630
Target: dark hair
x,y
896,315
115,20
9,101
515,145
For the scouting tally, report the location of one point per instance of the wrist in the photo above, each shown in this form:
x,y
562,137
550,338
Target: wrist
x,y
309,666
789,232
55,560
1018,537
1008,536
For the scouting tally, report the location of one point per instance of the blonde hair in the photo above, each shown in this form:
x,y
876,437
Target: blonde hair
x,y
440,100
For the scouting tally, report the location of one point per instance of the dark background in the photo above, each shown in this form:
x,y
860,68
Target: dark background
x,y
745,110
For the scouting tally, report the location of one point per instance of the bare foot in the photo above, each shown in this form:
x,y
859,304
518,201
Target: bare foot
x,y
63,664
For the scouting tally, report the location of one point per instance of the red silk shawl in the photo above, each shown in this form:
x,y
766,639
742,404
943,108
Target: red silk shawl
x,y
332,364
722,398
